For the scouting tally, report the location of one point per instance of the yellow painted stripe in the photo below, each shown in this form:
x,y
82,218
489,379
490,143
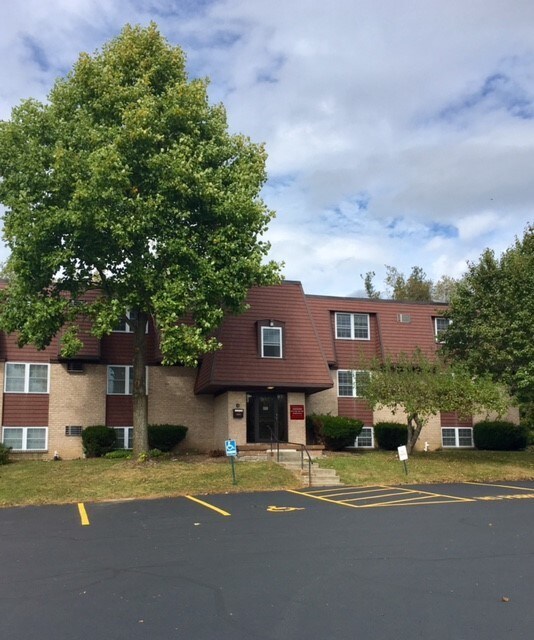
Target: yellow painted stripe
x,y
406,504
444,495
502,486
373,487
357,492
311,495
379,497
209,506
83,514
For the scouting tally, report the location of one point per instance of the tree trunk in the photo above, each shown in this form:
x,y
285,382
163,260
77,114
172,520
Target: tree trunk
x,y
415,424
140,399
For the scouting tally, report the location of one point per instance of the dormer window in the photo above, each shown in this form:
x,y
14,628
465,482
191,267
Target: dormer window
x,y
440,326
352,326
271,342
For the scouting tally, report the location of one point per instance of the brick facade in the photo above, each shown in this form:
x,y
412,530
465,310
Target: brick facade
x,y
301,376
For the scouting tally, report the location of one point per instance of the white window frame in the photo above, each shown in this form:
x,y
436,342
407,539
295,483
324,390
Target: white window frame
x,y
127,327
27,369
128,378
438,332
354,374
457,444
352,333
127,436
25,438
280,344
357,445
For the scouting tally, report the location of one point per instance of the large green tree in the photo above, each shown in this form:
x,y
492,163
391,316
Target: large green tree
x,y
128,182
492,315
422,387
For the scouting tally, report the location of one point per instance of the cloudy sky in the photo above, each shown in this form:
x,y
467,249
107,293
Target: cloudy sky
x,y
399,132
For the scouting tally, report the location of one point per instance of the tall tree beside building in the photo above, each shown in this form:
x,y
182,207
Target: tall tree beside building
x,y
492,313
128,182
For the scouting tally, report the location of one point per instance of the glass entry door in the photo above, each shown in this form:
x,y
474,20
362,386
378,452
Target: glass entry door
x,y
266,417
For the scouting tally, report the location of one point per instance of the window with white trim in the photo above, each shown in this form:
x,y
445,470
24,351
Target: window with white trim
x,y
350,383
25,438
352,326
120,380
124,437
123,326
271,342
25,377
366,439
457,437
440,326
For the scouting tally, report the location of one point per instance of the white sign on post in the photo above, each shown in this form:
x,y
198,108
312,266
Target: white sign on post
x,y
403,453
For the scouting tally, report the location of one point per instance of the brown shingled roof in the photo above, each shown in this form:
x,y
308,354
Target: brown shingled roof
x,y
239,365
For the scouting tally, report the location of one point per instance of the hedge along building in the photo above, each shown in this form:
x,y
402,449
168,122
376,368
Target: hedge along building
x,y
287,356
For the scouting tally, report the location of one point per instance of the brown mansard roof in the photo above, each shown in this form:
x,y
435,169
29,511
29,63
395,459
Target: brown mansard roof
x,y
389,336
239,364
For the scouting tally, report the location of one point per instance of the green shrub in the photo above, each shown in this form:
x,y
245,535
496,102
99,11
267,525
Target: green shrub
x,y
334,432
165,436
118,453
390,435
499,435
98,440
4,453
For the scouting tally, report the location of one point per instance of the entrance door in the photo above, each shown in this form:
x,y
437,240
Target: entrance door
x,y
266,417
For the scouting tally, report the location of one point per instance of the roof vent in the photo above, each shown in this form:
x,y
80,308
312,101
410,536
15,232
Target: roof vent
x,y
404,318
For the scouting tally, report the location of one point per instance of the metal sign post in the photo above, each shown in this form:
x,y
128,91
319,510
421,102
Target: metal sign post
x,y
403,456
231,451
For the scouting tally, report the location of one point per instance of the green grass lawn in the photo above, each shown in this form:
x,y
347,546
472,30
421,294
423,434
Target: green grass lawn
x,y
27,483
383,467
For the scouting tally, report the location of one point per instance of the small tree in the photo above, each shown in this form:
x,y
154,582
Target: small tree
x,y
128,183
422,388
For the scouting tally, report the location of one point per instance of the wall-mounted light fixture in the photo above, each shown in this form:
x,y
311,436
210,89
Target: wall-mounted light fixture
x,y
271,323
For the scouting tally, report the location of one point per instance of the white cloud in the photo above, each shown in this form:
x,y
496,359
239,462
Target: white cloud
x,y
420,109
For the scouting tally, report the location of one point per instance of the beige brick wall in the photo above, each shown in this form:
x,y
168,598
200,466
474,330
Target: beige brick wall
x,y
226,427
430,433
324,402
75,399
512,415
171,400
296,428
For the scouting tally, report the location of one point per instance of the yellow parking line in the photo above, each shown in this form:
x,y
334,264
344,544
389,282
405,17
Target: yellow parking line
x,y
355,490
382,495
209,506
372,487
311,495
444,495
502,486
409,502
83,514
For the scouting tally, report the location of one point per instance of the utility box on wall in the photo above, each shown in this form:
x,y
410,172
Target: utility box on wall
x,y
238,414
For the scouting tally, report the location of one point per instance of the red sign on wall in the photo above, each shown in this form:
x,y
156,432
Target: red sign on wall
x,y
296,411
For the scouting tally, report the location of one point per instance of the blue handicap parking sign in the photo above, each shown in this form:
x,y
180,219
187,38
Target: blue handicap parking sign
x,y
231,447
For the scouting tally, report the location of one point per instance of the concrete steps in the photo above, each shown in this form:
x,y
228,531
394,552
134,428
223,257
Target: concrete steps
x,y
319,477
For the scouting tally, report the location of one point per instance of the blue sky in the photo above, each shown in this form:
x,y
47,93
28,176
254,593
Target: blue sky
x,y
399,132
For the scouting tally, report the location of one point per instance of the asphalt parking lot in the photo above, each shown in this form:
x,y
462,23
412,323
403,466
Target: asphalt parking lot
x,y
437,562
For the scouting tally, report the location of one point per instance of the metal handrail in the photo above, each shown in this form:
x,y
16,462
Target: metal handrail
x,y
303,448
